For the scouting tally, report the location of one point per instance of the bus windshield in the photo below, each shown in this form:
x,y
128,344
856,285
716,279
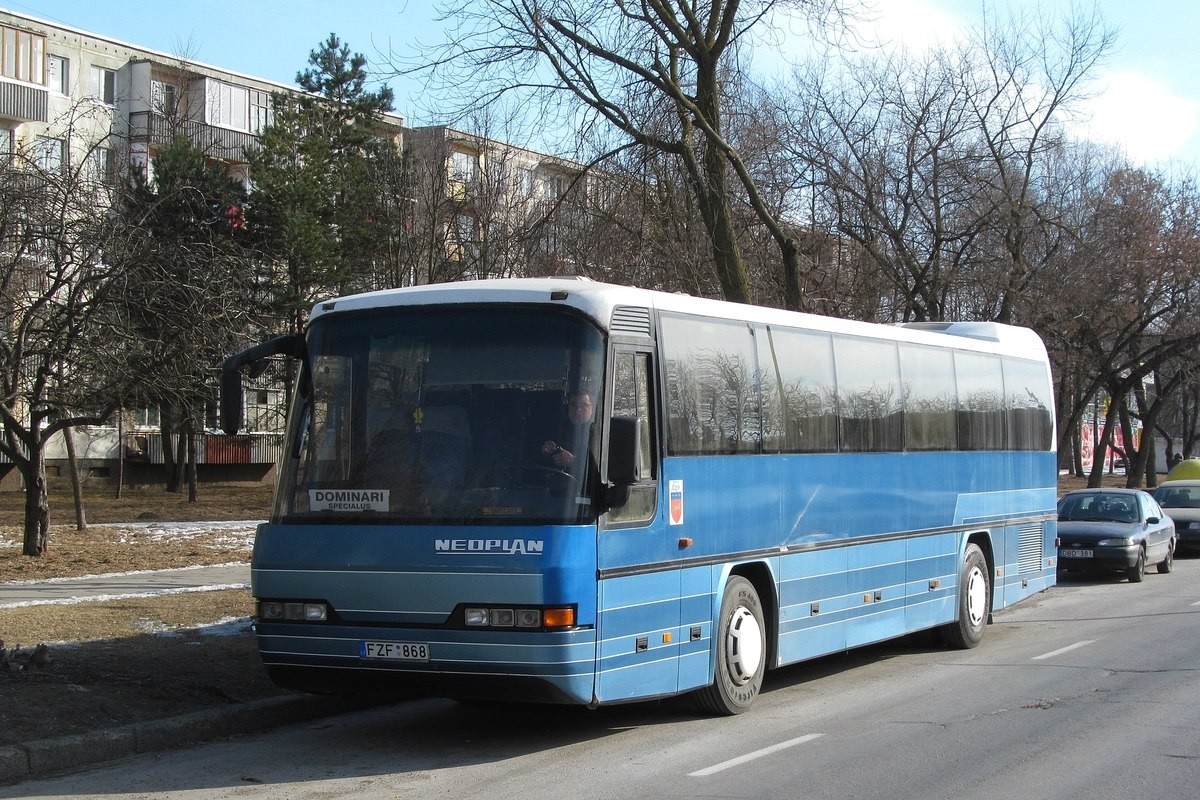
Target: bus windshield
x,y
445,415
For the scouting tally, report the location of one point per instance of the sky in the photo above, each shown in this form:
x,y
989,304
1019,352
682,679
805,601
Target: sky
x,y
1146,95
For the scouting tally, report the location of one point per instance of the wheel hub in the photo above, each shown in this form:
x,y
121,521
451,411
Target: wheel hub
x,y
976,597
743,646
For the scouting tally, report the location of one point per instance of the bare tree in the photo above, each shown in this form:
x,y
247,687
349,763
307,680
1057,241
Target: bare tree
x,y
56,276
657,74
1125,302
1031,71
940,167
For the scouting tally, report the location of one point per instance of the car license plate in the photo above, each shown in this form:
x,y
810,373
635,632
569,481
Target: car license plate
x,y
1076,553
395,651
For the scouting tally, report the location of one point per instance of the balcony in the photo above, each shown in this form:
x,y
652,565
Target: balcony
x,y
24,103
215,142
211,448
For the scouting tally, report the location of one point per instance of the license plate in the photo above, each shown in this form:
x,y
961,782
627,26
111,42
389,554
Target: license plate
x,y
1076,553
395,651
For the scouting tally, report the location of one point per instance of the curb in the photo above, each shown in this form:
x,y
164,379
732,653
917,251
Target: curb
x,y
46,757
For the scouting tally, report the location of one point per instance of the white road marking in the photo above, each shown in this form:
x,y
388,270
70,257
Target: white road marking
x,y
1062,650
766,751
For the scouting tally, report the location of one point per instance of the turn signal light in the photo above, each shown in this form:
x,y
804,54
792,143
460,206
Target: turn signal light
x,y
558,617
485,617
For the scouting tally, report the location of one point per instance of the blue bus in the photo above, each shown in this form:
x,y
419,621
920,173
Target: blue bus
x,y
567,491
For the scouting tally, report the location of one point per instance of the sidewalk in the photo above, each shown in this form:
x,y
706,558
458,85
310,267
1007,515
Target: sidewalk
x,y
45,757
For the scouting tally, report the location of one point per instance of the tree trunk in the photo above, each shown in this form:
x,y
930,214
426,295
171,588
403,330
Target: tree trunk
x,y
731,272
37,505
167,430
792,297
1096,477
120,453
190,429
1077,456
76,485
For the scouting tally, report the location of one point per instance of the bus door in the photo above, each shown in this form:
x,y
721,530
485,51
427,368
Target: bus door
x,y
639,591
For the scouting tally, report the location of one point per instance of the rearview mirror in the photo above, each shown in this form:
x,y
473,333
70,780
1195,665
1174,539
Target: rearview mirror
x,y
232,410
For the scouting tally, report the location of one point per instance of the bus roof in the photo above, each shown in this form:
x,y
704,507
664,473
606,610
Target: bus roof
x,y
597,300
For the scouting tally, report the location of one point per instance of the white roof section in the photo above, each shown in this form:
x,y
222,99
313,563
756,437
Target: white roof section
x,y
597,300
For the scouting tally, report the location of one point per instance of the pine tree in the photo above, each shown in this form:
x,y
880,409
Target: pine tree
x,y
316,210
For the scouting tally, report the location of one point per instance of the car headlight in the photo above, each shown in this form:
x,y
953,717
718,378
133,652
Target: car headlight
x,y
1115,542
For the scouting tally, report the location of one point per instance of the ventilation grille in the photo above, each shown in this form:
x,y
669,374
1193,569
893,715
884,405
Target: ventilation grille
x,y
1029,548
631,319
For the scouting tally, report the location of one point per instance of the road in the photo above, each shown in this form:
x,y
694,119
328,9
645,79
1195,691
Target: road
x,y
1090,690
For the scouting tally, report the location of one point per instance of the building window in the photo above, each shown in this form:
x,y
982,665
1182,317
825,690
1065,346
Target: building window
x,y
49,154
261,113
145,418
104,85
464,228
23,55
264,410
554,187
164,98
524,181
59,79
462,166
228,106
497,173
8,140
102,165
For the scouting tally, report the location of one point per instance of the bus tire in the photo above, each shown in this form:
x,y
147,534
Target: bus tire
x,y
974,601
741,652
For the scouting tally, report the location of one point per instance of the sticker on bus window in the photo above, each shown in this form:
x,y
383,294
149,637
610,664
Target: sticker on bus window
x,y
675,489
348,499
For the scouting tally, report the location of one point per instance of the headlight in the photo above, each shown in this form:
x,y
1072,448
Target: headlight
x,y
292,611
540,617
1115,542
476,616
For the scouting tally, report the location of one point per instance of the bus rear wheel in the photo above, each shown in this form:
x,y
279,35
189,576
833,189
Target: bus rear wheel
x,y
974,601
741,651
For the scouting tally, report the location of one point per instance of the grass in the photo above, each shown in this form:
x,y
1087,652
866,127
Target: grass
x,y
117,662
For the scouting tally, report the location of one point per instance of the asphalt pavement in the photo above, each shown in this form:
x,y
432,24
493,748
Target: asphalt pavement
x,y
64,754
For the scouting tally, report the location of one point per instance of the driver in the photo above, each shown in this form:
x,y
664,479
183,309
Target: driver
x,y
575,431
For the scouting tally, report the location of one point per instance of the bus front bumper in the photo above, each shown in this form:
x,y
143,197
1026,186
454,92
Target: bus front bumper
x,y
533,666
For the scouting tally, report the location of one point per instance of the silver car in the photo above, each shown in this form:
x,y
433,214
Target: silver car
x,y
1181,500
1114,529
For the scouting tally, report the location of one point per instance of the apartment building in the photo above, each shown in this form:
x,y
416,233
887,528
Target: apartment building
x,y
51,76
492,209
480,207
69,97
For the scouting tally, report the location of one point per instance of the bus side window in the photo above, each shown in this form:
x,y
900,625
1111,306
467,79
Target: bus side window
x,y
631,398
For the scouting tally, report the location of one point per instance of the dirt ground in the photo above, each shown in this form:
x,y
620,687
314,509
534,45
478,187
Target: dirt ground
x,y
118,662
123,661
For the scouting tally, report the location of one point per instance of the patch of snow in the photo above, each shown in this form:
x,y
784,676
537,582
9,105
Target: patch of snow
x,y
103,575
229,626
238,533
67,601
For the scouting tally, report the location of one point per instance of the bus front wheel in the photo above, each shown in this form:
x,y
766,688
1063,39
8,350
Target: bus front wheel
x,y
974,601
741,651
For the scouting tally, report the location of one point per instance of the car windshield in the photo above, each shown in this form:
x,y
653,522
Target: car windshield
x,y
445,416
1096,507
1178,496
